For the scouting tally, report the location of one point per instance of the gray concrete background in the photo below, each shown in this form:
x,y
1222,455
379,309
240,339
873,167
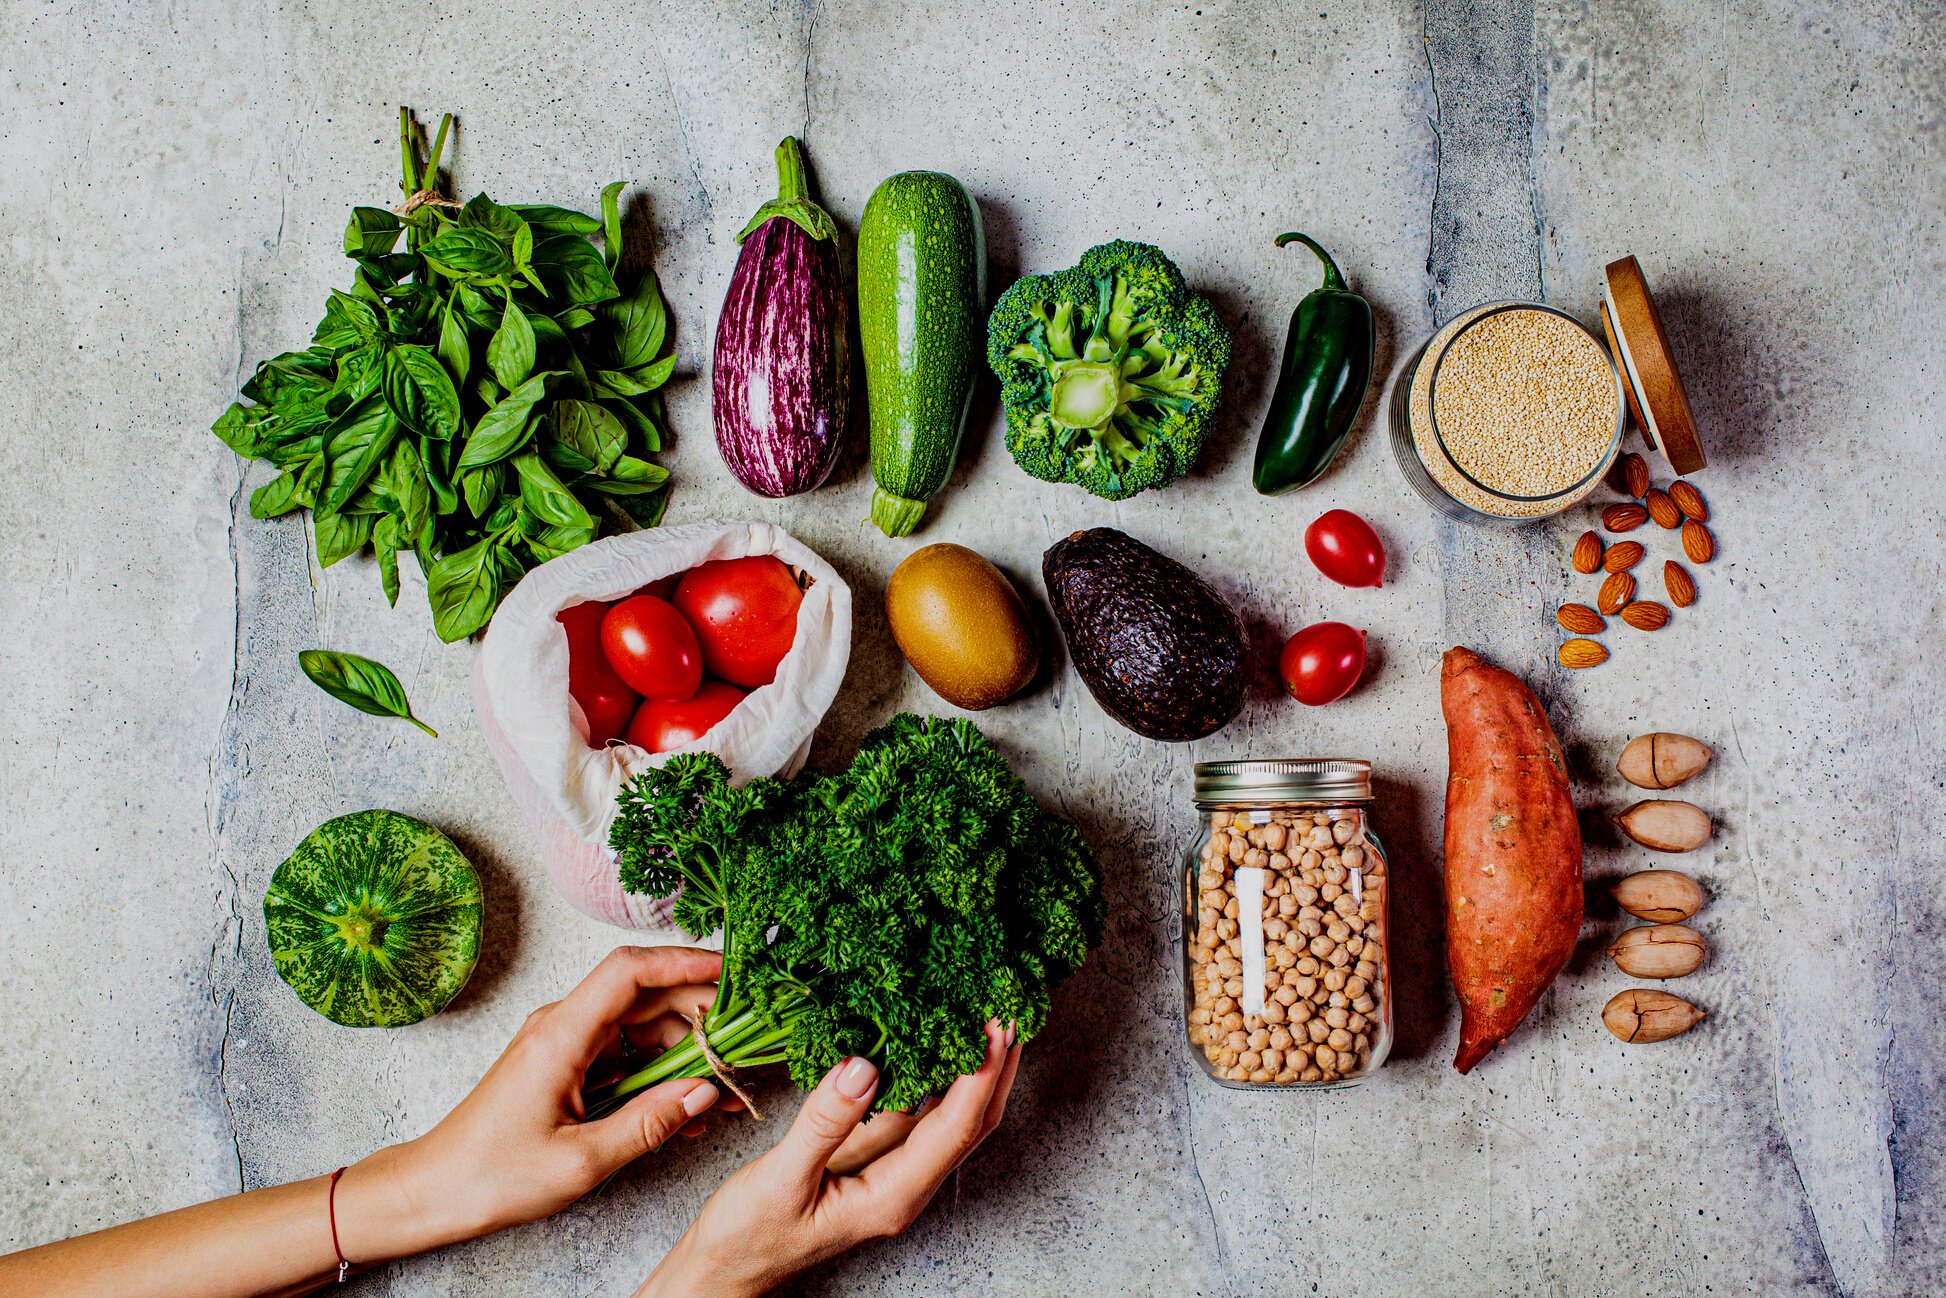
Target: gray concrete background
x,y
175,181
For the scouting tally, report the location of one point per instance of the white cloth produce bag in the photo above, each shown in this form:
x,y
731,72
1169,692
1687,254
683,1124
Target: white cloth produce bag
x,y
537,732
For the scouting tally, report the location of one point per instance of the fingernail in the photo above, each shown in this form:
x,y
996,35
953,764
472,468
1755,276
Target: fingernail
x,y
699,1099
855,1078
1010,1036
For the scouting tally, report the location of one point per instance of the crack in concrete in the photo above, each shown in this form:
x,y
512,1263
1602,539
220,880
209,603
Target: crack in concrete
x,y
226,771
810,37
1196,1169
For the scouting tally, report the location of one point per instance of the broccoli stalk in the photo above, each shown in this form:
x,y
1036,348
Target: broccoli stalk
x,y
1110,371
889,911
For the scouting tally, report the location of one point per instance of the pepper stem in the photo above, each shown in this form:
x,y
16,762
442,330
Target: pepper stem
x,y
1333,281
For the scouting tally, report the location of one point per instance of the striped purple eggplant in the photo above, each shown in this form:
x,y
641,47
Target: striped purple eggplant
x,y
783,344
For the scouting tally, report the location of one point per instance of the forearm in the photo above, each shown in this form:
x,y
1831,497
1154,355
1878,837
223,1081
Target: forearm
x,y
264,1244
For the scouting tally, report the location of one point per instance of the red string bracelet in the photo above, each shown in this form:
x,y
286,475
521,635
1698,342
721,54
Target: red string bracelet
x,y
331,1207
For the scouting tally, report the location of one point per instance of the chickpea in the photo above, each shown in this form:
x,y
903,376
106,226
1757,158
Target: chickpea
x,y
1273,1059
1273,1012
1326,1057
1274,836
1286,907
1288,1076
1323,947
1339,958
1280,1038
1356,1022
1337,932
1317,1029
1283,959
1337,874
1343,830
1354,945
1300,1015
1364,1004
1307,987
1229,966
1232,1022
1330,893
1274,930
1260,1077
1367,969
1239,1040
1307,966
1353,857
1249,1060
1233,986
1254,837
1199,1016
1233,1073
1311,1074
1309,927
1224,1005
1354,985
1208,880
1219,819
1340,1040
1283,997
1254,1024
1282,864
1306,895
1259,1039
1339,1001
1256,858
1230,908
1336,1016
1310,863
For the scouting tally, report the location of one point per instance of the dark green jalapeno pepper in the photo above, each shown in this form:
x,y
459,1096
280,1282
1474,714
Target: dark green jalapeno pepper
x,y
1327,367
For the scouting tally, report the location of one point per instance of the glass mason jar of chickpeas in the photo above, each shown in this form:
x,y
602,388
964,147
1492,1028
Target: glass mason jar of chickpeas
x,y
1287,980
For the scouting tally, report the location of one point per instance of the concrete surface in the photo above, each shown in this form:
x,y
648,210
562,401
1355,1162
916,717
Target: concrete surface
x,y
175,178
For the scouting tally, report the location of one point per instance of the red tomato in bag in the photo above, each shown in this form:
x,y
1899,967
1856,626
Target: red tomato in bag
x,y
745,615
652,648
1322,662
1345,548
605,698
661,726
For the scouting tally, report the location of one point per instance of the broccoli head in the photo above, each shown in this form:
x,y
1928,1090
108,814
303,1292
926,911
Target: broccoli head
x,y
1110,371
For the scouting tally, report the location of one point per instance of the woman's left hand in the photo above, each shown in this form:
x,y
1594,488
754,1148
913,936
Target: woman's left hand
x,y
516,1149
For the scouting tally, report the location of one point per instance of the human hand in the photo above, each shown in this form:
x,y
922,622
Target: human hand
x,y
516,1149
831,1184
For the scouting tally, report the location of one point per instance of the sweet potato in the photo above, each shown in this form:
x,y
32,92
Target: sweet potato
x,y
1513,851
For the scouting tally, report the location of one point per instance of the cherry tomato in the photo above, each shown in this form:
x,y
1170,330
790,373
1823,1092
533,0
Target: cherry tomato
x,y
652,648
661,726
745,615
606,700
1345,548
1322,662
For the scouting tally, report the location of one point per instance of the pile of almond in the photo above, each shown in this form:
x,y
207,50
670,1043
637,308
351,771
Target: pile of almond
x,y
1680,508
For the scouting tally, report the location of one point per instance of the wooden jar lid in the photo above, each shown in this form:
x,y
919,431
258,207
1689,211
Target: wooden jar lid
x,y
1655,392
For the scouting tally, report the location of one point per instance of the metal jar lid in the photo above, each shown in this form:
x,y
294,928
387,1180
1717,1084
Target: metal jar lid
x,y
1284,779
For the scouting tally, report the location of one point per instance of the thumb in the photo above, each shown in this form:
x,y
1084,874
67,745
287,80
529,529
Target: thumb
x,y
830,1114
646,1121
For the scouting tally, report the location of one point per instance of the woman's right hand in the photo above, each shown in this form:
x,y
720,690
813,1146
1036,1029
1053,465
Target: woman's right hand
x,y
788,1210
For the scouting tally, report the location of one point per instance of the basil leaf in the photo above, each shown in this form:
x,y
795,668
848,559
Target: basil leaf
x,y
588,431
348,322
544,495
477,308
640,321
468,251
504,429
445,499
278,496
293,373
363,684
511,351
643,420
632,477
372,232
420,392
409,488
481,487
572,270
464,587
555,220
549,338
575,317
357,449
454,349
611,224
339,535
388,572
644,510
640,383
359,374
241,428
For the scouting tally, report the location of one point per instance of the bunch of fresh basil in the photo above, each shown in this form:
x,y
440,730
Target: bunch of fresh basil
x,y
484,399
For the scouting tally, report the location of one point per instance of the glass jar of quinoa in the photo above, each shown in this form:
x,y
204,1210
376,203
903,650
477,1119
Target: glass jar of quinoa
x,y
1287,981
1511,411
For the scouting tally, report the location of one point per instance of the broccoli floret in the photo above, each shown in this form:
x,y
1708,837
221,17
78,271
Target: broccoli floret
x,y
1110,371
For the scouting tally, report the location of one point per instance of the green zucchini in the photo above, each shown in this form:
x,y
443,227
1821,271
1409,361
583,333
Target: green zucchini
x,y
922,327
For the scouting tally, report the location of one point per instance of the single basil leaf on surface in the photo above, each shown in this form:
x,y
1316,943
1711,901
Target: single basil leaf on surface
x,y
575,317
481,488
505,428
363,684
425,388
587,430
611,223
468,250
572,270
339,535
511,350
410,489
555,220
278,496
348,321
546,496
640,321
463,588
454,349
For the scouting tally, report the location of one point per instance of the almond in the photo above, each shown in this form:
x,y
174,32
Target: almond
x,y
1624,518
1689,501
1582,653
1587,552
1680,585
1697,542
1635,473
1622,556
1617,591
1662,509
1645,615
1580,619
1643,1014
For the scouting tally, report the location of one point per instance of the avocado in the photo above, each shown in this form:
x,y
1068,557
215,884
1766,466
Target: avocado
x,y
1158,648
